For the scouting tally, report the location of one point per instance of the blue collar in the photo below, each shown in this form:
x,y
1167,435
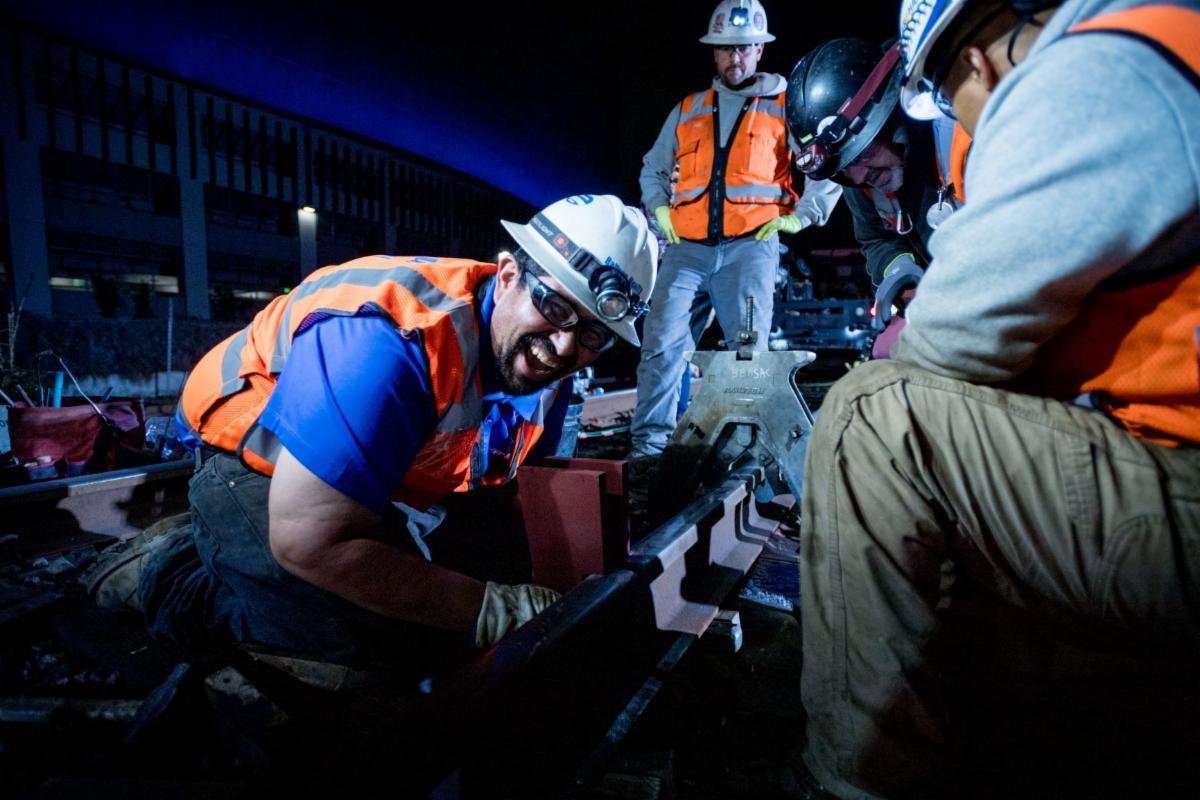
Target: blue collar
x,y
526,405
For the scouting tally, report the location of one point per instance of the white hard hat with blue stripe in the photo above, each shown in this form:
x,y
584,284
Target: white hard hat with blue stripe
x,y
602,253
922,23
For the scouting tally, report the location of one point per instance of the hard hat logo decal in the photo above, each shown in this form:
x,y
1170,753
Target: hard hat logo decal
x,y
580,199
564,245
737,22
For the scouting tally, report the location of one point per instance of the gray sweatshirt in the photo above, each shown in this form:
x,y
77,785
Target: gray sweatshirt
x,y
1086,163
814,206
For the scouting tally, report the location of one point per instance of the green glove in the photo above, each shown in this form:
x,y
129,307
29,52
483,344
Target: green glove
x,y
789,224
662,215
506,608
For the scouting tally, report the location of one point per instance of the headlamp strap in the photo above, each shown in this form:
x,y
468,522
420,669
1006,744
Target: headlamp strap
x,y
849,110
572,253
852,107
582,261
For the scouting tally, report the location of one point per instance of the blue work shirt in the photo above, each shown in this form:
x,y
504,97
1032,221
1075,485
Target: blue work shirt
x,y
357,422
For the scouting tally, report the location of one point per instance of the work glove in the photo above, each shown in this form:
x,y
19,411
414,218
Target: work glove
x,y
789,224
901,276
506,608
662,215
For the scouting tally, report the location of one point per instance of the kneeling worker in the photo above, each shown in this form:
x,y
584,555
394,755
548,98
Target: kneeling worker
x,y
1042,434
383,379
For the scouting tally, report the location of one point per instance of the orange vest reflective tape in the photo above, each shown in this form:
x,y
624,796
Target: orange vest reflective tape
x,y
750,178
228,389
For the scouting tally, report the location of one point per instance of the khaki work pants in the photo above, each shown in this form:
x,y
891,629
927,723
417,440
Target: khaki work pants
x,y
1051,506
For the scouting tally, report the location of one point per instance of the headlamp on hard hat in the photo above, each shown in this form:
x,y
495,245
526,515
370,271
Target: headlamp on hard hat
x,y
816,151
616,295
739,17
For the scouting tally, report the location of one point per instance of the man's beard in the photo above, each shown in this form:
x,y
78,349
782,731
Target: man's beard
x,y
506,363
747,80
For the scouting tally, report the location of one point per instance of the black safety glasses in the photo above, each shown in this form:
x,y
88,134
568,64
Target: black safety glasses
x,y
559,312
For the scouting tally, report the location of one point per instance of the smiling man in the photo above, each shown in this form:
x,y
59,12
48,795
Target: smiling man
x,y
353,404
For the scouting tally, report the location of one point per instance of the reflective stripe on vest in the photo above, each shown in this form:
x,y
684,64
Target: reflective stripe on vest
x,y
228,389
1138,343
757,184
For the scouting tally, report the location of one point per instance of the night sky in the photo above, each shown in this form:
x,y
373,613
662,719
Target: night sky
x,y
540,99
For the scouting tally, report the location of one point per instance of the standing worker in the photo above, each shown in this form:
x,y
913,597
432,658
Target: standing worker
x,y
384,379
1043,434
733,196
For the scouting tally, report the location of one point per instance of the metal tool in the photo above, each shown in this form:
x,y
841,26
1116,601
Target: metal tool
x,y
750,407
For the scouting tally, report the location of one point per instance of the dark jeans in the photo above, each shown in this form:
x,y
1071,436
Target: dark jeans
x,y
222,584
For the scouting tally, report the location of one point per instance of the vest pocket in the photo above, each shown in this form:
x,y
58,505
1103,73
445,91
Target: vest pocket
x,y
760,160
693,174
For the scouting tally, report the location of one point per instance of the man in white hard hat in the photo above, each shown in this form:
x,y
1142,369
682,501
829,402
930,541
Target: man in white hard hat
x,y
722,218
1042,435
384,380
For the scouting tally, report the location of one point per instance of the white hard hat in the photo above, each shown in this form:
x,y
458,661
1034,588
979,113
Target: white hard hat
x,y
737,22
922,23
600,250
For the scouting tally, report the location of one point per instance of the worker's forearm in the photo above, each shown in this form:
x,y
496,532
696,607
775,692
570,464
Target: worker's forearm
x,y
384,579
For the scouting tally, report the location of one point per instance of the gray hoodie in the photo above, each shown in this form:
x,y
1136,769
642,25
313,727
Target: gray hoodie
x,y
1086,163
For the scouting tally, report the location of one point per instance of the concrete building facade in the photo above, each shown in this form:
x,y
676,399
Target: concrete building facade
x,y
125,190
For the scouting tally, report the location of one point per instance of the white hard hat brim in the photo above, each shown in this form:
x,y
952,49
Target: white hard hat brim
x,y
918,104
572,281
714,39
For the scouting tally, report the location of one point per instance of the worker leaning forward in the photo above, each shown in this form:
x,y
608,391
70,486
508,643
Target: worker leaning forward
x,y
902,177
381,384
1040,418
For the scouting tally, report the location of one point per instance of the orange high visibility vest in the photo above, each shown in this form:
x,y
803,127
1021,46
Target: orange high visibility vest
x,y
952,159
960,146
756,185
231,384
1139,344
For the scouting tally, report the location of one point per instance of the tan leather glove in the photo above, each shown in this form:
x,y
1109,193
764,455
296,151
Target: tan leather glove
x,y
662,215
506,608
789,224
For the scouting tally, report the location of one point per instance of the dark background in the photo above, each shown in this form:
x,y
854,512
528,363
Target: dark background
x,y
540,99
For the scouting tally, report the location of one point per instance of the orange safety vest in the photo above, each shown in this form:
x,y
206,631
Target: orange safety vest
x,y
756,186
960,148
1139,343
229,387
952,158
